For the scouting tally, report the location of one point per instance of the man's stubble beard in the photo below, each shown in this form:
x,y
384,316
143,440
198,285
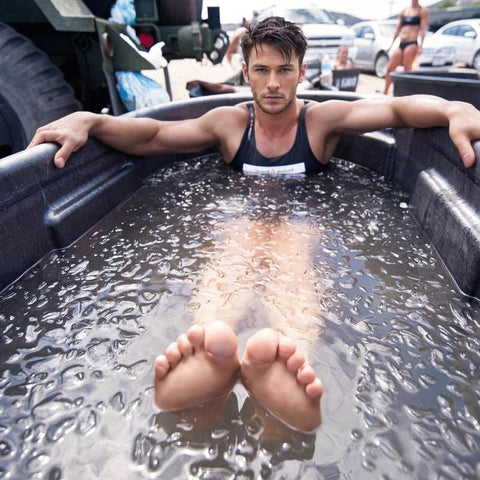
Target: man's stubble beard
x,y
274,110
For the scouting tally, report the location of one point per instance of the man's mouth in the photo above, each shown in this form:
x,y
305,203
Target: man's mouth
x,y
273,97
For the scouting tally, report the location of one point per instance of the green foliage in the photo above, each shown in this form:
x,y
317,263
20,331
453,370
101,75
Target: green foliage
x,y
446,4
452,3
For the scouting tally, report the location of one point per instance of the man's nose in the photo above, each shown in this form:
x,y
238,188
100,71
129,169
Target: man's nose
x,y
272,81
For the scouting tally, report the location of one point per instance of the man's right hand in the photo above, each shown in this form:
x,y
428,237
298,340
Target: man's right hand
x,y
70,132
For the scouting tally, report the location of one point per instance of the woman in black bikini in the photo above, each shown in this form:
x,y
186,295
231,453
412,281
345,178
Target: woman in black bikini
x,y
412,27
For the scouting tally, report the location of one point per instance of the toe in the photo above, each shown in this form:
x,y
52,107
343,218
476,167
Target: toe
x,y
295,361
262,347
161,367
306,375
286,347
184,346
314,389
173,354
196,336
220,340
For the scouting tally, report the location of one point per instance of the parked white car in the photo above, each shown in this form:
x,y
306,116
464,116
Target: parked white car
x,y
372,38
324,35
464,36
370,44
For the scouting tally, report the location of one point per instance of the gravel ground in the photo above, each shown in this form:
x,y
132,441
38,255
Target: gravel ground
x,y
182,71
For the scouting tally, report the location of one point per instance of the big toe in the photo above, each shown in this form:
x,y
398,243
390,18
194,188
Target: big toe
x,y
220,340
262,347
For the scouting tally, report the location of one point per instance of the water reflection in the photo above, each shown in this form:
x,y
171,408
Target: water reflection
x,y
398,352
244,444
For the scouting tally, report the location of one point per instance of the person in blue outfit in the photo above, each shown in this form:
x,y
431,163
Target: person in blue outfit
x,y
411,28
277,132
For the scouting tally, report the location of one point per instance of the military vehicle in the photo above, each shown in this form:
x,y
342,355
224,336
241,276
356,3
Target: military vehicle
x,y
58,56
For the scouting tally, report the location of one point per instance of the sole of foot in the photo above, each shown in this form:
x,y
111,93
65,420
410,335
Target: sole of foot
x,y
277,376
202,365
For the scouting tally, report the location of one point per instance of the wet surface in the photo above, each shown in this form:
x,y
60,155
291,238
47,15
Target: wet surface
x,y
398,347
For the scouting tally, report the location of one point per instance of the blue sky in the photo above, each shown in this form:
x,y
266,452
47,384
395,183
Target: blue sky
x,y
233,11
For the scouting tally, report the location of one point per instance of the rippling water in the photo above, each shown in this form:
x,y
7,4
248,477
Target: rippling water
x,y
398,350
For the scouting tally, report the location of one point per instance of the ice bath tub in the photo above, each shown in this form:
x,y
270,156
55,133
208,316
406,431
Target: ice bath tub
x,y
398,349
42,208
462,86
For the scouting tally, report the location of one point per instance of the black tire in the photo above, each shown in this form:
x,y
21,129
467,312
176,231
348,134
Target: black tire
x,y
476,61
33,91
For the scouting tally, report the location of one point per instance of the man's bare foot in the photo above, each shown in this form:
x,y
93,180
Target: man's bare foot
x,y
200,366
277,376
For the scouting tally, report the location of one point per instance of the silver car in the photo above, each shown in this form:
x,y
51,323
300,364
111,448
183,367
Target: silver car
x,y
324,35
370,44
464,36
372,38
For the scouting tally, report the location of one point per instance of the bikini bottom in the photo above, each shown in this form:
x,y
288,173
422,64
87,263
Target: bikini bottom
x,y
404,45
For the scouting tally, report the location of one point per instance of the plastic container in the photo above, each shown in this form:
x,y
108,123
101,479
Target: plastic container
x,y
326,77
463,86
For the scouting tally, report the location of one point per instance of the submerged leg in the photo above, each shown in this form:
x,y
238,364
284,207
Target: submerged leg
x,y
293,288
226,287
200,366
277,375
274,368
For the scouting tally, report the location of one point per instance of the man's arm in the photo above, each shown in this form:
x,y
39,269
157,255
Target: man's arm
x,y
233,46
138,136
419,111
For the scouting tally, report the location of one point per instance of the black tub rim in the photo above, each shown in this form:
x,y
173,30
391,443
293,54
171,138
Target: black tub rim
x,y
51,208
445,78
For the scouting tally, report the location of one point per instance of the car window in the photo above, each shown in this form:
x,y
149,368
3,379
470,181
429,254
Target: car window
x,y
361,32
358,32
450,31
387,29
367,30
464,29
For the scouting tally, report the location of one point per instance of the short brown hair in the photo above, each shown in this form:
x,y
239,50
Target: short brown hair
x,y
286,37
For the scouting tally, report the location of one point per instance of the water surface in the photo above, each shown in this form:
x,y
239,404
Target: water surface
x,y
398,347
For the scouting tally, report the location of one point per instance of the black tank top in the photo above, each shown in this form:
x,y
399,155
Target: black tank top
x,y
299,159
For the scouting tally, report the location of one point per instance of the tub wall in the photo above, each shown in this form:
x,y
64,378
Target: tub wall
x,y
43,208
445,199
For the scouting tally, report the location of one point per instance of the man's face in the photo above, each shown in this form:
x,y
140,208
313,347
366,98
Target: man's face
x,y
272,81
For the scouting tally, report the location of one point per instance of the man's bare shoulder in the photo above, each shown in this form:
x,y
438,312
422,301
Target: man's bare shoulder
x,y
235,113
226,126
238,109
226,120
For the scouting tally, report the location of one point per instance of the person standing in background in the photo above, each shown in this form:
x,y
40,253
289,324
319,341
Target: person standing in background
x,y
411,28
234,46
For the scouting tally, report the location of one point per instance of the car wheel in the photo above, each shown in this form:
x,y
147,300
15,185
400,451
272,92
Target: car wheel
x,y
476,61
381,63
32,91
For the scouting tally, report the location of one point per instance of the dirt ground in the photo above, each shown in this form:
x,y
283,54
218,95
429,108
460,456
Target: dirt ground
x,y
182,71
